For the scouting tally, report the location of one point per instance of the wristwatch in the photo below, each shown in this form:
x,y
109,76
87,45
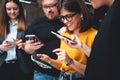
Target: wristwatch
x,y
69,62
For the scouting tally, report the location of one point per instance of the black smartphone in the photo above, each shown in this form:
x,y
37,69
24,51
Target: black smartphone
x,y
59,35
37,60
32,37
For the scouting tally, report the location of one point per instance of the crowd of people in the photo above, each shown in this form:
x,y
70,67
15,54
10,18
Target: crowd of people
x,y
87,54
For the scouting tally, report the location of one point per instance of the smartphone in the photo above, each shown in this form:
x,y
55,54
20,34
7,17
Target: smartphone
x,y
37,60
32,37
59,35
11,42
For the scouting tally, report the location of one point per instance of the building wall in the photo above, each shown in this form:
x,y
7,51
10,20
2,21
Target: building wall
x,y
32,12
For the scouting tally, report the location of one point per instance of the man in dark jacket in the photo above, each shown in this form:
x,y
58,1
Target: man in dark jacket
x,y
42,28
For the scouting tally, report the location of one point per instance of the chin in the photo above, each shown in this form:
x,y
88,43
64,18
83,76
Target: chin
x,y
96,6
70,31
51,18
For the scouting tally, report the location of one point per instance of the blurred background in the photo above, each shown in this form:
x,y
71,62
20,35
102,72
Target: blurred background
x,y
32,11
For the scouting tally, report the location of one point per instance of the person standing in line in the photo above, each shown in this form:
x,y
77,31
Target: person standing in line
x,y
104,56
77,19
103,61
42,27
15,64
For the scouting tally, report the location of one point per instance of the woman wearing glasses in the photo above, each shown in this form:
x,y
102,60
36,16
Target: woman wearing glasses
x,y
76,17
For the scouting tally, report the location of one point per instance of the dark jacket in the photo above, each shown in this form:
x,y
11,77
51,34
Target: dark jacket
x,y
103,63
42,28
23,59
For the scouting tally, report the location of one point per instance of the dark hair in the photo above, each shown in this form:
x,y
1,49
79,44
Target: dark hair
x,y
4,18
78,6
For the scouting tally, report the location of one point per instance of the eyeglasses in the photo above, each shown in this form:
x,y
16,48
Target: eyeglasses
x,y
67,17
50,5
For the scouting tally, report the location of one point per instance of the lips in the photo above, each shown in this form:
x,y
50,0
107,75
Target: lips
x,y
68,24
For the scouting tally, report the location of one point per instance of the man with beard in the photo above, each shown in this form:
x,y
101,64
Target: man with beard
x,y
42,28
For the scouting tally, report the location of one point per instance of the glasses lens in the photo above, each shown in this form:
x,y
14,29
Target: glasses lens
x,y
50,5
67,17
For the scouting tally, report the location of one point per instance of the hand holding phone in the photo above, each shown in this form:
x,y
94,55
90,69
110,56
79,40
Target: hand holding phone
x,y
11,42
40,62
32,37
59,35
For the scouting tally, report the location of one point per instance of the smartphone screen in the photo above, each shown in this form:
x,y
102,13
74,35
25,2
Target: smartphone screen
x,y
32,37
59,35
38,61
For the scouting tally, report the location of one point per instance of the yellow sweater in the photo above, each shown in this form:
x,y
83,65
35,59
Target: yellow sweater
x,y
87,38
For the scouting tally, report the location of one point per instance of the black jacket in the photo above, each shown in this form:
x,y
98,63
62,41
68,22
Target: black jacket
x,y
24,59
42,28
103,63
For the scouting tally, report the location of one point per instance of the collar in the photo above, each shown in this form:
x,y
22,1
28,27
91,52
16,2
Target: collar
x,y
15,23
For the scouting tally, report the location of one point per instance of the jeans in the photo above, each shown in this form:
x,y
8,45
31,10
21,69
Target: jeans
x,y
41,76
70,76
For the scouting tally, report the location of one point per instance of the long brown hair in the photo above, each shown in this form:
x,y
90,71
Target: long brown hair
x,y
4,19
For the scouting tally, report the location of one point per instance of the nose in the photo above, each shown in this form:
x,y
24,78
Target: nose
x,y
49,9
65,21
12,11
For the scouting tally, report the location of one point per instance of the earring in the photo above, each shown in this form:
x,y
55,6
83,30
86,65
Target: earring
x,y
81,17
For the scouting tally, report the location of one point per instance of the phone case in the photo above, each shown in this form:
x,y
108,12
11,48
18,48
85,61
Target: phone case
x,y
32,37
38,61
11,42
59,35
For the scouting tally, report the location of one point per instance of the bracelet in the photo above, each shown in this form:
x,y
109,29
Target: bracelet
x,y
69,62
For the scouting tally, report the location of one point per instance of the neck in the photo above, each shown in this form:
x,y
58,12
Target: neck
x,y
13,20
109,3
76,32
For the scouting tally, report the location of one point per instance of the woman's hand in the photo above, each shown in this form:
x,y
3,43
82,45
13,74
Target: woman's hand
x,y
78,43
5,46
53,62
62,55
19,43
44,58
62,30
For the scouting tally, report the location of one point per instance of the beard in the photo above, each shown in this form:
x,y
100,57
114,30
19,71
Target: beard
x,y
51,15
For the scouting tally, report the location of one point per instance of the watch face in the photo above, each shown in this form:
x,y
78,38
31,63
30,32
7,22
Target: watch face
x,y
69,62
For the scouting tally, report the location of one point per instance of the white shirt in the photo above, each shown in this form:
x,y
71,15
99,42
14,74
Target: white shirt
x,y
11,54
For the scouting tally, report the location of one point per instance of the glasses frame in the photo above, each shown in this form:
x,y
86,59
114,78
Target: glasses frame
x,y
67,17
50,5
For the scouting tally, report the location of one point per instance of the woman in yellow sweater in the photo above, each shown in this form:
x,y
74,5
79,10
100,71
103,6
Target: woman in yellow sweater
x,y
76,17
